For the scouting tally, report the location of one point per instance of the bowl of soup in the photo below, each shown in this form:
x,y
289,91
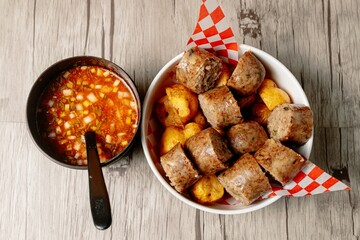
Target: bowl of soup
x,y
81,94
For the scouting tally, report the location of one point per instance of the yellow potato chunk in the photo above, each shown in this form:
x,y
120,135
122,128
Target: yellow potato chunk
x,y
224,76
171,136
207,190
180,104
166,113
273,96
184,102
260,113
267,83
200,119
191,129
177,107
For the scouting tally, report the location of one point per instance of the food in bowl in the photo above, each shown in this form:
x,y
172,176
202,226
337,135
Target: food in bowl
x,y
179,168
174,135
87,98
245,180
260,113
248,75
207,152
199,70
246,137
291,123
280,161
220,107
252,108
207,190
177,107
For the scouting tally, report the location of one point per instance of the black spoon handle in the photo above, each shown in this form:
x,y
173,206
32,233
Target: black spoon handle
x,y
99,198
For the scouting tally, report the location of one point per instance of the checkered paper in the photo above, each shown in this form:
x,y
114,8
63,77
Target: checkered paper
x,y
213,33
309,181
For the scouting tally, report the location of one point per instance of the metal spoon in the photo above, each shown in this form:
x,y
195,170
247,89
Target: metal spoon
x,y
99,198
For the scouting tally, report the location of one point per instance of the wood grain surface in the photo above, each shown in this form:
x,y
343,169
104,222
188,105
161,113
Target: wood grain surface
x,y
317,40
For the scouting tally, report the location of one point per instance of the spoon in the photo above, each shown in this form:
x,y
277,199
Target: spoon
x,y
99,198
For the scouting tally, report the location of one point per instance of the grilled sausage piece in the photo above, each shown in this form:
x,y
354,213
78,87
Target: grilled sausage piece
x,y
280,161
248,75
291,123
198,70
179,169
208,150
246,137
244,180
220,107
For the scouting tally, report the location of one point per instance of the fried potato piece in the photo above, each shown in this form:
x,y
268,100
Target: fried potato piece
x,y
200,119
273,96
171,136
207,190
191,129
224,76
166,113
177,107
267,83
174,135
260,113
246,102
184,102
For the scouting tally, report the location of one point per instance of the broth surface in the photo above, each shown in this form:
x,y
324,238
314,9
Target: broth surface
x,y
82,99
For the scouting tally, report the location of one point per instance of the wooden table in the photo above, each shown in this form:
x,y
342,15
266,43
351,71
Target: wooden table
x,y
317,40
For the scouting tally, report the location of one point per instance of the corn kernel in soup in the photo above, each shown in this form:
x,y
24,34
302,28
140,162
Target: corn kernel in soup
x,y
82,99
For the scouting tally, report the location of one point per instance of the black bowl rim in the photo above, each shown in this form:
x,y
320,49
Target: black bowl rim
x,y
131,84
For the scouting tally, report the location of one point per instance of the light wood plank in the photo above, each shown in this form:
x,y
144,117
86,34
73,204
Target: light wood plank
x,y
330,212
14,181
350,139
317,41
267,223
59,32
142,188
16,51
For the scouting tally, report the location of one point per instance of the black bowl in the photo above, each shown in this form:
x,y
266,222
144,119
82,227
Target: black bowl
x,y
49,75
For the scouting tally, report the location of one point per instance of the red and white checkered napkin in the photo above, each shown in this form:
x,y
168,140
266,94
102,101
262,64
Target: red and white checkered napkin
x,y
309,181
213,32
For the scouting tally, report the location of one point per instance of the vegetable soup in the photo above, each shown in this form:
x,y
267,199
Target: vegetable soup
x,y
87,98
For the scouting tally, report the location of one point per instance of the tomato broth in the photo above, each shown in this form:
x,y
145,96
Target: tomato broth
x,y
87,98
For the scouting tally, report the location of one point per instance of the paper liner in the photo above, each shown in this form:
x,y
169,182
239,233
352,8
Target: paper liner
x,y
213,32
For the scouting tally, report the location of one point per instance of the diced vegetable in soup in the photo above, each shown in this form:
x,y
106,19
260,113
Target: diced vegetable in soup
x,y
87,98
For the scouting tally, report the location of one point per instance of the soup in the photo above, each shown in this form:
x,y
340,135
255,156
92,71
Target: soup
x,y
87,98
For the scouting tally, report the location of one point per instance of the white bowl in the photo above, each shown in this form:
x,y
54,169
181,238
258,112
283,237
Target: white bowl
x,y
150,137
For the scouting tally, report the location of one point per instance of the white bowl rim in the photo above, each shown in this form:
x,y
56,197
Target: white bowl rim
x,y
154,83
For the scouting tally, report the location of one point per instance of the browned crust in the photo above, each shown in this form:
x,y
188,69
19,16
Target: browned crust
x,y
179,169
298,125
244,180
208,151
248,75
198,70
220,107
246,137
281,162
